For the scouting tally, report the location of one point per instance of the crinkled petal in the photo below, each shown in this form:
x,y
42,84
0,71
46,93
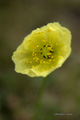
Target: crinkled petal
x,y
43,51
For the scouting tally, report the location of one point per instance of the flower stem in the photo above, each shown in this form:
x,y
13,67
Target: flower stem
x,y
39,97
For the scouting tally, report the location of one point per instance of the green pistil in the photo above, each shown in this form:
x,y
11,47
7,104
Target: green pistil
x,y
47,51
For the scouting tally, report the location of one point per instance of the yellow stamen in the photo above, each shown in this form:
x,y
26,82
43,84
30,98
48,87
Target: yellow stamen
x,y
51,56
44,40
37,45
44,62
37,58
50,60
40,61
49,48
33,66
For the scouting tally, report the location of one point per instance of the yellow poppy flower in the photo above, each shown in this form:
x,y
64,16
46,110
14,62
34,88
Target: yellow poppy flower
x,y
42,51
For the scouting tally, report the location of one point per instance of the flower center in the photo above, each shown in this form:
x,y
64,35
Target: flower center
x,y
47,51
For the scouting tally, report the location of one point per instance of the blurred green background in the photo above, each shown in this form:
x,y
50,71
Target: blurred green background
x,y
18,92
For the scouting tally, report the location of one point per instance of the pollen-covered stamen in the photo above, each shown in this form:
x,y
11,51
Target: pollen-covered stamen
x,y
47,51
35,57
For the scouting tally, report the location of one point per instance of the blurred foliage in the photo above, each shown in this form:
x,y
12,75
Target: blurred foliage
x,y
18,92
